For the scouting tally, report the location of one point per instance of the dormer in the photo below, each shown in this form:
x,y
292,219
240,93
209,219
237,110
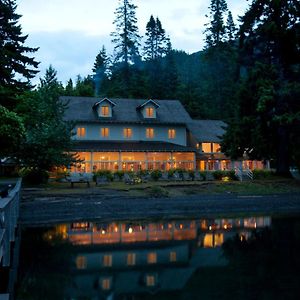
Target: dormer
x,y
104,108
148,109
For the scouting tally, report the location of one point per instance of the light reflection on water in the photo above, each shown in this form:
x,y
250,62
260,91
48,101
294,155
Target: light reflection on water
x,y
126,260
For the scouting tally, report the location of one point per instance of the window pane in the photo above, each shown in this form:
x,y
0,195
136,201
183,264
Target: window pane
x,y
107,260
81,131
131,259
173,256
133,156
150,280
172,133
105,156
206,147
149,112
149,133
216,147
152,258
127,132
183,156
86,156
81,262
104,110
104,132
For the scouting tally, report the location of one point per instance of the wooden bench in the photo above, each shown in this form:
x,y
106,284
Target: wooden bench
x,y
79,178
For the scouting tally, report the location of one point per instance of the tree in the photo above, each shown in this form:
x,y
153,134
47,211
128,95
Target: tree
x,y
216,29
14,60
156,44
126,37
48,138
100,70
230,28
270,54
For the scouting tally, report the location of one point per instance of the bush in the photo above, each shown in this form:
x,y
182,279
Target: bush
x,y
192,174
119,174
263,174
203,174
34,176
157,192
156,174
103,173
219,175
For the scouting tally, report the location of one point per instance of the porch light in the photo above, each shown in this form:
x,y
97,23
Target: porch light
x,y
103,231
225,226
116,229
209,227
130,230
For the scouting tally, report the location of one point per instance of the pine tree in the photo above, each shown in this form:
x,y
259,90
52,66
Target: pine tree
x,y
216,29
14,62
126,37
100,69
230,28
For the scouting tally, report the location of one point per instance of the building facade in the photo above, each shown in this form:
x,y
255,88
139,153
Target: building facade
x,y
137,134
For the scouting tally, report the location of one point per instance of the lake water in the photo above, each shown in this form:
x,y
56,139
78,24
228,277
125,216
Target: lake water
x,y
236,258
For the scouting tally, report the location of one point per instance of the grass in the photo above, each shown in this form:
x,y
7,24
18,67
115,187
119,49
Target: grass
x,y
175,189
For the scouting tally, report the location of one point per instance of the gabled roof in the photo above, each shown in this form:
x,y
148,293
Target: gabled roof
x,y
103,100
147,102
207,130
80,109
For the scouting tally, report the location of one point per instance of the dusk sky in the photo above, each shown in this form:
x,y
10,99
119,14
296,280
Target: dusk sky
x,y
70,33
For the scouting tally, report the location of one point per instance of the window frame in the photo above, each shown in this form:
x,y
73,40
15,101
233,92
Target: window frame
x,y
126,132
104,131
171,133
105,111
81,132
150,133
149,112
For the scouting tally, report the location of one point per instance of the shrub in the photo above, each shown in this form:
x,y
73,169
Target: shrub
x,y
156,174
219,174
203,174
157,192
192,174
34,176
105,173
263,174
119,174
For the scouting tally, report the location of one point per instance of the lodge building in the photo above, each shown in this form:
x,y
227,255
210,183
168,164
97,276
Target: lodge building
x,y
138,134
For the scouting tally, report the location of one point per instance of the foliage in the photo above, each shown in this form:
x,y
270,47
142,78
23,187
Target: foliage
x,y
263,174
220,174
157,192
100,70
119,174
104,173
12,132
34,175
14,60
48,138
203,175
156,174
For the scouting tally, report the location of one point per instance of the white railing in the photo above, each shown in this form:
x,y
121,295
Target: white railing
x,y
248,173
9,213
238,173
242,173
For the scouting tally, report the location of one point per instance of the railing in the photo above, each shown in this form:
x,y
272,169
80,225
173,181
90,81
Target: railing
x,y
242,173
238,173
248,173
9,213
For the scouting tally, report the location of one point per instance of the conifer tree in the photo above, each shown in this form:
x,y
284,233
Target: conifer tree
x,y
100,69
230,28
216,29
14,60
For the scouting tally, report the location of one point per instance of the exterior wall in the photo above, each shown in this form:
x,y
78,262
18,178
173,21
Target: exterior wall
x,y
93,132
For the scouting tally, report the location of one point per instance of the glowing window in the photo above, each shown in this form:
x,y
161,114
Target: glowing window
x,y
106,284
105,110
152,258
149,112
81,262
173,256
172,133
206,147
131,259
81,131
127,132
150,280
104,132
107,260
216,147
149,133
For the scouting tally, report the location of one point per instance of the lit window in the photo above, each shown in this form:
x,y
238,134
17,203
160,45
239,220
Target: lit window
x,y
107,260
105,110
106,284
216,147
131,259
149,133
150,280
206,147
152,258
171,133
197,146
104,132
127,132
173,256
81,131
81,262
149,112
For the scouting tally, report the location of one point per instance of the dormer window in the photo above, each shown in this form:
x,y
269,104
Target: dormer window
x,y
149,112
105,111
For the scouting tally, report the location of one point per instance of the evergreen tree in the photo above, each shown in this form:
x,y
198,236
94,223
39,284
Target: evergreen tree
x,y
230,28
126,37
100,70
69,89
14,62
216,29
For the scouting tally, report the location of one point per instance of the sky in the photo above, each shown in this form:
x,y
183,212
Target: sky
x,y
70,33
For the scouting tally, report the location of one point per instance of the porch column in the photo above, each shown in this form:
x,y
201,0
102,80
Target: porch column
x,y
268,165
195,162
92,161
120,162
146,160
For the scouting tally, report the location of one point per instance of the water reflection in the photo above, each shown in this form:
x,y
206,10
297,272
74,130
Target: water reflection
x,y
116,260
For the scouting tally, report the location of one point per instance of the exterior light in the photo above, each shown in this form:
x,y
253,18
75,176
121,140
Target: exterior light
x,y
225,226
209,227
103,231
130,230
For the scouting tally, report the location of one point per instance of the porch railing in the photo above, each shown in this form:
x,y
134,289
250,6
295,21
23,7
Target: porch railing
x,y
9,213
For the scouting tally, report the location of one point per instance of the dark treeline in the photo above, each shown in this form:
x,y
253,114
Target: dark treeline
x,y
247,76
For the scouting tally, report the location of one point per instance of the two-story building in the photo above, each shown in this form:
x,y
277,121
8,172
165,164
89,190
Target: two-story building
x,y
139,134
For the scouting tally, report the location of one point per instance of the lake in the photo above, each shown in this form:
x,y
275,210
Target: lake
x,y
255,257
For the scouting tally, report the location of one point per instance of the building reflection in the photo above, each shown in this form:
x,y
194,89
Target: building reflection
x,y
120,259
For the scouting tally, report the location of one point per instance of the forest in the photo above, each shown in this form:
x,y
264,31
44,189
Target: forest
x,y
247,75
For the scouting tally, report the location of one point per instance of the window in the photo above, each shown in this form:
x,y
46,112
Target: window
x,y
206,147
81,262
104,132
106,284
171,133
216,147
105,111
149,112
127,132
81,131
152,258
173,256
107,260
131,259
149,133
150,280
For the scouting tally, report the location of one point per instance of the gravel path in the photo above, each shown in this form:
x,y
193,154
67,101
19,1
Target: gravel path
x,y
40,209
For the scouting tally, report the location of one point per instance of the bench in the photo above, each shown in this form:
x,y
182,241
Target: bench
x,y
79,178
